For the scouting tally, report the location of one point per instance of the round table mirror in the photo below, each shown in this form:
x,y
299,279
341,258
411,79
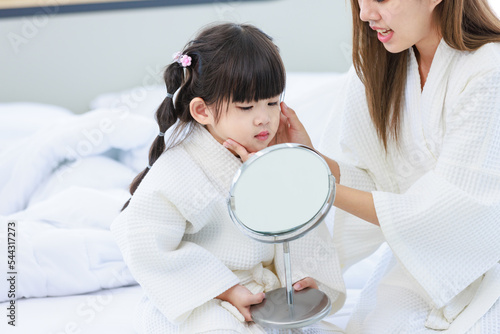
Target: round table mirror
x,y
278,195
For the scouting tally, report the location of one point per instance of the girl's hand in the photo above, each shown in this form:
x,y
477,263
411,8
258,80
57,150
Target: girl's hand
x,y
242,299
307,282
291,130
238,149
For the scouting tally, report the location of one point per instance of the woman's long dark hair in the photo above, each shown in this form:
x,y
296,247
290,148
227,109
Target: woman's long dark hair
x,y
230,62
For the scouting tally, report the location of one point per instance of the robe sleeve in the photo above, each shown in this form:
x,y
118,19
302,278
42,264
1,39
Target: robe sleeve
x,y
177,276
337,141
353,237
445,229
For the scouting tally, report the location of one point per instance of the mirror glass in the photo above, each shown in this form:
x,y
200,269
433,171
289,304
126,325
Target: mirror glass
x,y
281,192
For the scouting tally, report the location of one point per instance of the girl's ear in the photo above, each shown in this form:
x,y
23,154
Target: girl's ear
x,y
200,111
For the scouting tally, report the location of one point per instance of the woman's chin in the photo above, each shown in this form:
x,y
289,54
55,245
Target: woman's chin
x,y
394,48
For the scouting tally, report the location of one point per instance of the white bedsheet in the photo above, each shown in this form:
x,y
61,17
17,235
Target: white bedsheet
x,y
103,312
63,179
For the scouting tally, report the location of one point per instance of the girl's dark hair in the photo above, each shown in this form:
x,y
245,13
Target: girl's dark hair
x,y
230,62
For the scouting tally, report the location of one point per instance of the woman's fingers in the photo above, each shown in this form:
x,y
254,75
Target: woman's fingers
x,y
291,130
292,118
282,135
289,112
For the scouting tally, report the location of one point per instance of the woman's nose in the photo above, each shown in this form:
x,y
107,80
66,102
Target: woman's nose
x,y
367,11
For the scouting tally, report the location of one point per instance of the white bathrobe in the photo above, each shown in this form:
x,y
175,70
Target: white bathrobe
x,y
182,247
437,198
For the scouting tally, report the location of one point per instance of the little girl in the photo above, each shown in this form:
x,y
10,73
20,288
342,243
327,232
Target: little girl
x,y
199,273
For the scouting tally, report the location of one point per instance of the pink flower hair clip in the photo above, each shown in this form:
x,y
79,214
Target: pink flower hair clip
x,y
184,60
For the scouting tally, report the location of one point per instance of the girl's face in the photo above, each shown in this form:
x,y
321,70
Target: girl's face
x,y
400,24
251,124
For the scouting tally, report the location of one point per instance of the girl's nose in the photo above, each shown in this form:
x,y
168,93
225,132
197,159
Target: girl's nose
x,y
262,117
368,11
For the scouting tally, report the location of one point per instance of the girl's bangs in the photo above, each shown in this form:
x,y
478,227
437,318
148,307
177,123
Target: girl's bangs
x,y
261,81
255,75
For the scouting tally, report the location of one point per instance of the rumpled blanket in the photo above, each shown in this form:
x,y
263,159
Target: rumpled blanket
x,y
63,179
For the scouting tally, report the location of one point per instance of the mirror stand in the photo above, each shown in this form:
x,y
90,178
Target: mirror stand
x,y
288,274
286,308
295,201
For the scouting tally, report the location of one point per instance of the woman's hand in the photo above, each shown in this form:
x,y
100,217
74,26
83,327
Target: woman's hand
x,y
242,299
291,130
307,282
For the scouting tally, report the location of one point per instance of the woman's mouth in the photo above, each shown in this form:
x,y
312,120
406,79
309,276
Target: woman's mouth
x,y
384,35
264,135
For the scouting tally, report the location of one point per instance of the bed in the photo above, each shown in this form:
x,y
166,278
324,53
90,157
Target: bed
x,y
64,177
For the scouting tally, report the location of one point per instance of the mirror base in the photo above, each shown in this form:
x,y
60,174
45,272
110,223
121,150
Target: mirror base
x,y
309,306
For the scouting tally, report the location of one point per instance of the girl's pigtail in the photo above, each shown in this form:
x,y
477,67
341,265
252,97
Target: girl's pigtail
x,y
166,117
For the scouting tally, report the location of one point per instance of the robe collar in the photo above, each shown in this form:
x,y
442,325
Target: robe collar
x,y
439,68
217,162
429,103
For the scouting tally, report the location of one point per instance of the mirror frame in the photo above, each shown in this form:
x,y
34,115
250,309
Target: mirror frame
x,y
293,233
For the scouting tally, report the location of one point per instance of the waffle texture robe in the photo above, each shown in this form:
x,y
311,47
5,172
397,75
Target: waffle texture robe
x,y
437,198
182,247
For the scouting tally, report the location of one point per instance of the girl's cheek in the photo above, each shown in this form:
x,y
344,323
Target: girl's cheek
x,y
276,122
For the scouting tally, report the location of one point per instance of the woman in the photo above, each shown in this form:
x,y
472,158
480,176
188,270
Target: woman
x,y
421,137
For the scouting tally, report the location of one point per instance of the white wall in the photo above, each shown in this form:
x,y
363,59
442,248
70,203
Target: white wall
x,y
68,59
495,5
